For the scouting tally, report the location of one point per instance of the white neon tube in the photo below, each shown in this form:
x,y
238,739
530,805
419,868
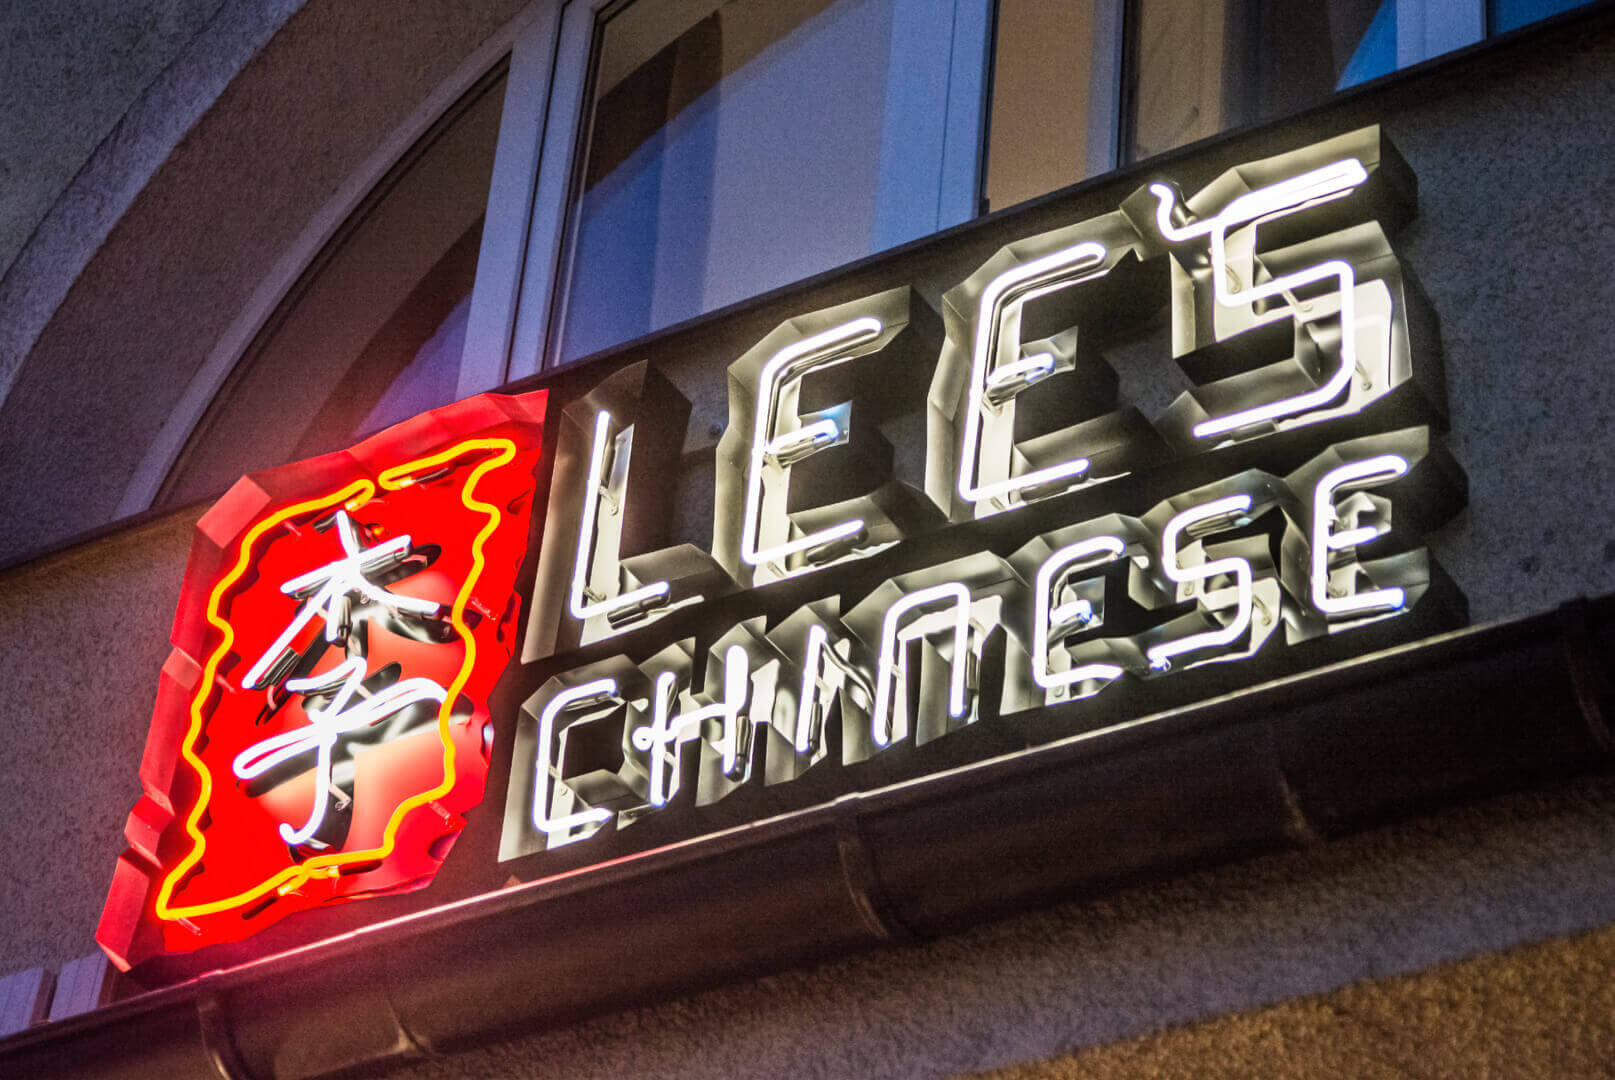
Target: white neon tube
x,y
545,767
1026,282
1007,380
327,590
770,449
1320,185
661,732
804,442
326,727
1325,540
684,727
582,609
894,657
1097,549
1160,656
808,703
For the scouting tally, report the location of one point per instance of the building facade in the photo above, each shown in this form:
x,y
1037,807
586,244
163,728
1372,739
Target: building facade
x,y
305,223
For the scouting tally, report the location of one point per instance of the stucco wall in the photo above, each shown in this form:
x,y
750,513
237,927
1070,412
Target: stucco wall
x,y
143,265
99,94
1536,1011
1513,244
72,69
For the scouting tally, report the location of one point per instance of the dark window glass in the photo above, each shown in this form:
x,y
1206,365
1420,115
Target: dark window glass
x,y
373,332
1192,68
1509,15
734,147
1202,66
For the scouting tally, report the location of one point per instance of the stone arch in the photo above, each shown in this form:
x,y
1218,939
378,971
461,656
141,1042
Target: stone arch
x,y
219,184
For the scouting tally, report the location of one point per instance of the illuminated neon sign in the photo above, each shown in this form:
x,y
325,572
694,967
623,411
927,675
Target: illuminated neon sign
x,y
928,529
1209,576
1296,327
342,624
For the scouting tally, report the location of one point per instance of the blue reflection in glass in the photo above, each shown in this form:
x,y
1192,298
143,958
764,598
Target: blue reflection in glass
x,y
1376,53
1512,14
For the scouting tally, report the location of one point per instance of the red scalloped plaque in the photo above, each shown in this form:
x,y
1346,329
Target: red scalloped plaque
x,y
321,725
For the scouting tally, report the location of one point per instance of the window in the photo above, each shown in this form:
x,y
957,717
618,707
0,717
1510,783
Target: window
x,y
1160,74
1056,96
735,147
1202,66
638,163
373,332
684,155
679,156
1506,15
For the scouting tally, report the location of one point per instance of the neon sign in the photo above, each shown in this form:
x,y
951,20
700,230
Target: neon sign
x,y
1209,576
342,624
1295,325
928,528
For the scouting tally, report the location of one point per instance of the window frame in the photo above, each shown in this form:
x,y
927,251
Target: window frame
x,y
303,256
512,333
518,303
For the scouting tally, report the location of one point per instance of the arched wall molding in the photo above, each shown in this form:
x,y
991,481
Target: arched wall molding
x,y
110,316
120,167
322,225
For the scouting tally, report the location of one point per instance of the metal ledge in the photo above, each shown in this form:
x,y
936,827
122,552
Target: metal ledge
x,y
1277,766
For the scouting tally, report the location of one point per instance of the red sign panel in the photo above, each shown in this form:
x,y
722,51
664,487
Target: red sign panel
x,y
321,724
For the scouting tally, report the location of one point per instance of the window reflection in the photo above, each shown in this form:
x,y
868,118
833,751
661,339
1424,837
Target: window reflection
x,y
736,147
1202,66
1050,122
1509,15
1189,69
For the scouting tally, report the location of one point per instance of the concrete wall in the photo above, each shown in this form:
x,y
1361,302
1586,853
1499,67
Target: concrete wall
x,y
141,266
72,69
99,94
1513,244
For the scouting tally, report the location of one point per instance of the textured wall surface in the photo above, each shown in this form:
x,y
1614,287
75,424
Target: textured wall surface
x,y
1517,265
87,633
108,357
72,68
1513,244
100,94
1541,1011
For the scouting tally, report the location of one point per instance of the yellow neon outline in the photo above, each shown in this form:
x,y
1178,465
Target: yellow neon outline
x,y
353,496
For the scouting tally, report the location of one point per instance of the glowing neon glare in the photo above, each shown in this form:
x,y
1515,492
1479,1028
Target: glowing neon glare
x,y
328,590
325,729
1083,553
1325,540
777,451
668,729
502,451
807,708
579,598
1286,197
991,386
893,662
1160,656
825,673
1007,380
804,442
545,768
